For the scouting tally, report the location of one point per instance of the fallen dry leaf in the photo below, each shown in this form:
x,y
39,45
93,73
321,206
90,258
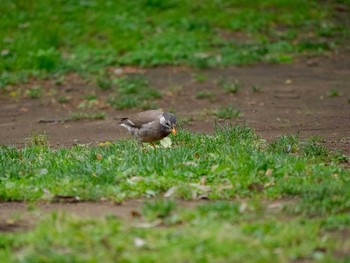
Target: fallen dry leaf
x,y
166,142
135,214
98,156
268,172
203,188
139,242
155,223
272,183
190,163
171,191
243,207
106,143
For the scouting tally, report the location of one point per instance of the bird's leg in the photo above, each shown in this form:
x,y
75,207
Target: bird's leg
x,y
154,146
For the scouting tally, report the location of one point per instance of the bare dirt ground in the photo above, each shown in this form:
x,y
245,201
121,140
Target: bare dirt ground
x,y
293,99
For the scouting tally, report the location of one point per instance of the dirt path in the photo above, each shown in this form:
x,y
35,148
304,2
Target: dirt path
x,y
16,216
293,98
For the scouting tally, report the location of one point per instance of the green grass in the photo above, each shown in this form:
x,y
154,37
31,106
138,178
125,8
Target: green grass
x,y
104,81
333,93
40,39
234,161
35,92
230,86
87,116
205,94
256,88
239,172
199,77
214,232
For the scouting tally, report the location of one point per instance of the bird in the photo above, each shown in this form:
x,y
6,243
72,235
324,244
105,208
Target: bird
x,y
150,126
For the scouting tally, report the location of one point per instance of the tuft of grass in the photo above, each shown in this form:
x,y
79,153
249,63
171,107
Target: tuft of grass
x,y
199,77
285,144
35,92
161,208
64,98
256,88
37,139
230,86
205,94
104,81
333,93
87,116
134,91
314,148
227,113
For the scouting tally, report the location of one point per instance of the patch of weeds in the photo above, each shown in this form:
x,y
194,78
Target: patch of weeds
x,y
285,144
90,102
313,148
333,93
161,208
87,116
227,113
90,97
123,102
35,92
45,59
37,139
134,91
230,86
338,221
104,81
199,77
316,139
64,99
205,94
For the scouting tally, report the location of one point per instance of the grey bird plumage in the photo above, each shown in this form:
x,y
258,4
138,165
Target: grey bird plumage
x,y
150,126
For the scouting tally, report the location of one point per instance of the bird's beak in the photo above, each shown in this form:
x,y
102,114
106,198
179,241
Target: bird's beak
x,y
173,131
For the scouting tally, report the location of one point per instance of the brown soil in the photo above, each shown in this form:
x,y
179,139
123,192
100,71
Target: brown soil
x,y
293,99
18,216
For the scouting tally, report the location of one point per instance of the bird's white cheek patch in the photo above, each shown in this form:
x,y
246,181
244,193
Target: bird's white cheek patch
x,y
162,121
126,126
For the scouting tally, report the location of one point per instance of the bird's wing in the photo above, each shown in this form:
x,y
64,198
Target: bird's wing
x,y
141,118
